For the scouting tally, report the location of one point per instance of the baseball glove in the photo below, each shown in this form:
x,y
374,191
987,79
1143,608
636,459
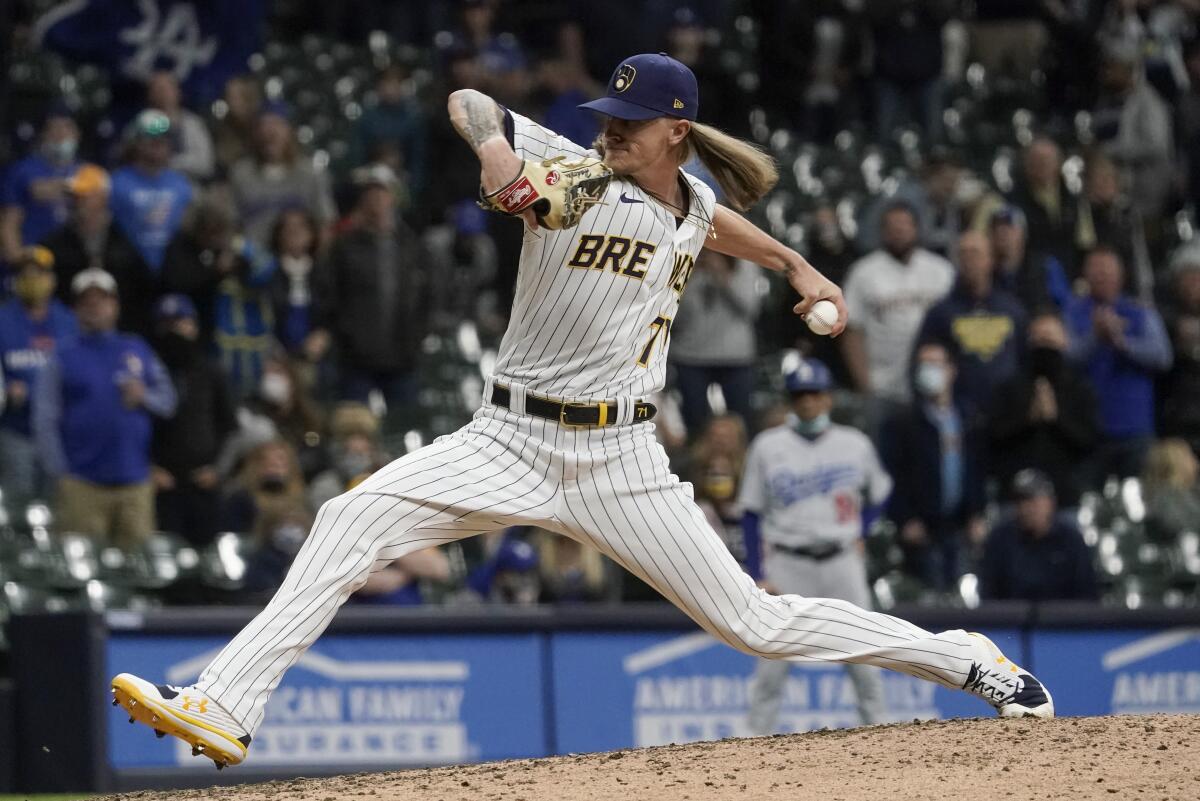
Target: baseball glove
x,y
557,191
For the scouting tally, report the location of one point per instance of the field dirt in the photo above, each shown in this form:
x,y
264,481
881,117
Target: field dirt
x,y
1123,757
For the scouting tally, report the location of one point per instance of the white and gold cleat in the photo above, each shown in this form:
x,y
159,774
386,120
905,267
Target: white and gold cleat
x,y
186,713
1011,689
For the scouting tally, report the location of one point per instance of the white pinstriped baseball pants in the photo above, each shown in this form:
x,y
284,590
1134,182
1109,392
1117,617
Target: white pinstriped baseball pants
x,y
610,488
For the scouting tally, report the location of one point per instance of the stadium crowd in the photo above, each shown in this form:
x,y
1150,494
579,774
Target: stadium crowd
x,y
210,324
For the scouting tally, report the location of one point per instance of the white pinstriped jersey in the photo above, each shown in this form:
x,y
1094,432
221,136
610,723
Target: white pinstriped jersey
x,y
593,307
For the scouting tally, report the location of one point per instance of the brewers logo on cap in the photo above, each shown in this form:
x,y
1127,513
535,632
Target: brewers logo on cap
x,y
624,77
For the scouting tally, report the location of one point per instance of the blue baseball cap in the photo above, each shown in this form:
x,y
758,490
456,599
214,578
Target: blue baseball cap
x,y
174,307
811,376
649,85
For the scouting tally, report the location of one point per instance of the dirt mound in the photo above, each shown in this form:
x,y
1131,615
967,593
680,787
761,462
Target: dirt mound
x,y
1152,757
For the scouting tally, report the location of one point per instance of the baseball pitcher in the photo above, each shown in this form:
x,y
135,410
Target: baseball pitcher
x,y
565,439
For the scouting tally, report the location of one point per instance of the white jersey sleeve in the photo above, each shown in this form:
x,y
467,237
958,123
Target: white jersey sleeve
x,y
534,142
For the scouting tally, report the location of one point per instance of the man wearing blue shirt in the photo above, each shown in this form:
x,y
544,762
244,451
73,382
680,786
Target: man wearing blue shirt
x,y
92,418
33,197
32,325
1122,346
149,198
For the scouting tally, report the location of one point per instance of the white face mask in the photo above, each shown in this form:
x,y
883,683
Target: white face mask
x,y
275,388
931,379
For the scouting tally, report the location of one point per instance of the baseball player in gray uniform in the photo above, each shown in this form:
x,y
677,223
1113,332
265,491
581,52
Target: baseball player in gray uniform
x,y
565,439
805,488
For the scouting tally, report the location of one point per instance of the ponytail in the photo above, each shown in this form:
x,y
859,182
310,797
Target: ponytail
x,y
743,171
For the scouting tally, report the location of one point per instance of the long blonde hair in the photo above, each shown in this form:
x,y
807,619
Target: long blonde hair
x,y
743,171
1170,463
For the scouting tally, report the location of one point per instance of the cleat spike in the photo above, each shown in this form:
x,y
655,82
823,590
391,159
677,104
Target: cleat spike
x,y
195,751
220,765
116,702
132,719
159,734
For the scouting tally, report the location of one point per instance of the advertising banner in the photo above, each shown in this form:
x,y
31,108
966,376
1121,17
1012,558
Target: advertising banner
x,y
363,700
1121,671
617,690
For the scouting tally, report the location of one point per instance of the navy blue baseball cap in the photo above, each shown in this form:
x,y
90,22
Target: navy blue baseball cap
x,y
649,85
174,306
811,376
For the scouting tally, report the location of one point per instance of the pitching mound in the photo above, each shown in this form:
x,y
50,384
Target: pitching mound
x,y
1126,757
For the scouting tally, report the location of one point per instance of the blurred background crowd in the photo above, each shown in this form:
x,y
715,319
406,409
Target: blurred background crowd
x,y
243,268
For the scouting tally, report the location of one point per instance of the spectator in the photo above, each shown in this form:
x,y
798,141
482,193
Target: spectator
x,y
186,446
283,406
1180,388
294,246
228,280
888,293
936,461
1104,218
193,155
233,133
399,584
1036,279
572,572
509,571
93,411
566,84
1170,490
1042,195
1045,415
33,198
277,177
829,247
393,131
269,485
148,197
371,298
501,58
981,326
32,325
1008,36
804,493
908,64
1122,346
354,452
936,199
1134,126
713,339
279,532
1037,555
687,43
91,239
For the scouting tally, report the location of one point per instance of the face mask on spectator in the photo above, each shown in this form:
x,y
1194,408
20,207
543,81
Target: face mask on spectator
x,y
61,152
275,388
350,465
33,288
272,484
931,379
719,486
1045,361
809,428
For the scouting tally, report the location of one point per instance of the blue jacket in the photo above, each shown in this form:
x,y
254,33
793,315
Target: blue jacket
x,y
41,217
1122,377
25,346
149,209
80,423
983,336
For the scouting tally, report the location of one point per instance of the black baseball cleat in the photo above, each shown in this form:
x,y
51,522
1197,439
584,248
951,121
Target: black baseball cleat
x,y
1013,691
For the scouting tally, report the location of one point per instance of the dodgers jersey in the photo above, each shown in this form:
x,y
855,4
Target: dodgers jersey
x,y
812,491
594,304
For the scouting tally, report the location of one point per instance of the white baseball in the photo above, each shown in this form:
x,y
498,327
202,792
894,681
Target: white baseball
x,y
822,317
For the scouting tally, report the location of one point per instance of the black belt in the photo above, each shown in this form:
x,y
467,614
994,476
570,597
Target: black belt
x,y
600,413
818,553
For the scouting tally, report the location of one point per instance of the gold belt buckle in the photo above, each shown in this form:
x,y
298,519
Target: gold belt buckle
x,y
601,421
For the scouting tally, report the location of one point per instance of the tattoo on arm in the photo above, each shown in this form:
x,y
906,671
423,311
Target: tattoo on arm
x,y
484,119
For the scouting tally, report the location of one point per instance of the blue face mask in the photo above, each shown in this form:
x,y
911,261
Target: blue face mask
x,y
809,428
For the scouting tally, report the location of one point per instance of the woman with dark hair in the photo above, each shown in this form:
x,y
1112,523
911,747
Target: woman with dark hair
x,y
278,177
294,240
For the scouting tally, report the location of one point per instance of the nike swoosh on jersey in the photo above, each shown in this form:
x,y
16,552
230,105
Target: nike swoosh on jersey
x,y
630,199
